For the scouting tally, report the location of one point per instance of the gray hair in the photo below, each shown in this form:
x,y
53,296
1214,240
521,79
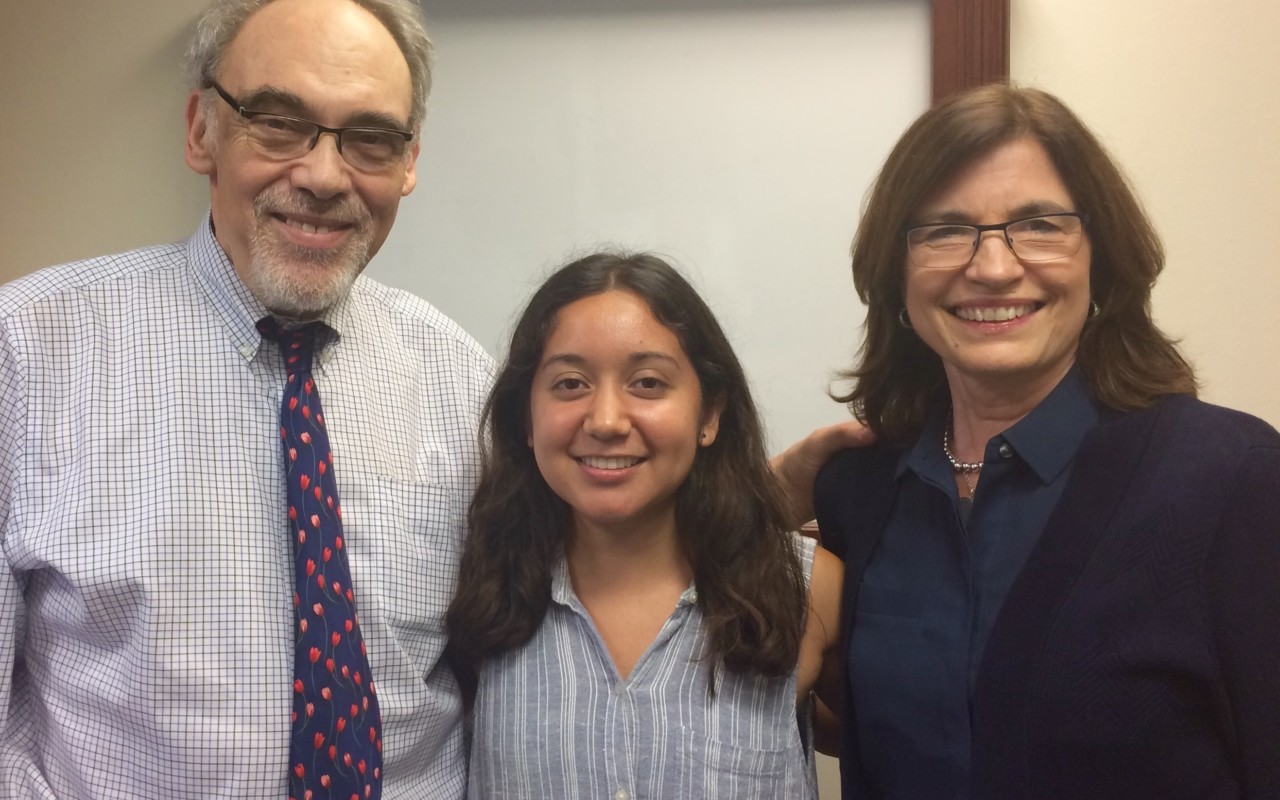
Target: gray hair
x,y
402,18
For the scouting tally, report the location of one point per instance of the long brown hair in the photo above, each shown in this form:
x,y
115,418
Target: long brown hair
x,y
731,515
1127,362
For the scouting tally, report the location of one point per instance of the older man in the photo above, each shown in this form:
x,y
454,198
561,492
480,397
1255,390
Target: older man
x,y
233,472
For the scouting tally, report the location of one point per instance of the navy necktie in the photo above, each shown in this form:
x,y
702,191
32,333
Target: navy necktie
x,y
336,749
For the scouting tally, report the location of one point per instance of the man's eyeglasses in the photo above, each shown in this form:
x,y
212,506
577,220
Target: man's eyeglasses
x,y
1046,237
283,137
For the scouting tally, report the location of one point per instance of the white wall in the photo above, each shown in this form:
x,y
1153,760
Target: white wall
x,y
736,140
1187,96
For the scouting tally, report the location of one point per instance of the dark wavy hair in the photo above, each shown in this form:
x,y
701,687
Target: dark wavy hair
x,y
1127,362
731,515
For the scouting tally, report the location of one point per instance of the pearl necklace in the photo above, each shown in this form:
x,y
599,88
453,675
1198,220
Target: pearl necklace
x,y
962,468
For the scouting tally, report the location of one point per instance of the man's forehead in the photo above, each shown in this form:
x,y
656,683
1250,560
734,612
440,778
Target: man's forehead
x,y
326,52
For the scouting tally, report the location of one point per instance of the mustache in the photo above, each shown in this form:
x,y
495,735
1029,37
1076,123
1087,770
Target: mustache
x,y
344,209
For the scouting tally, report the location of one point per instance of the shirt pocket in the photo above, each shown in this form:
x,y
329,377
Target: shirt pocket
x,y
408,539
712,770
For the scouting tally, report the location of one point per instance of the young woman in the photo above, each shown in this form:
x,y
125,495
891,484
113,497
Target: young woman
x,y
640,621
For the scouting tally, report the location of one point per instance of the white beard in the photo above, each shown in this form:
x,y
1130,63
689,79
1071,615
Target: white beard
x,y
299,282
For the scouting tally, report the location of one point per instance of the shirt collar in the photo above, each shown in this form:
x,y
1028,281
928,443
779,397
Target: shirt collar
x,y
561,586
1045,439
235,304
926,456
1048,437
230,298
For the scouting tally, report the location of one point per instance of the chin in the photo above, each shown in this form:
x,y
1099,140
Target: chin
x,y
306,288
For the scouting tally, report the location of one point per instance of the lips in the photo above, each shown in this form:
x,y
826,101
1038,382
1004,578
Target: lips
x,y
994,313
609,462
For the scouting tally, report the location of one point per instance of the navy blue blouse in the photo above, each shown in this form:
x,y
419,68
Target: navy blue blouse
x,y
934,586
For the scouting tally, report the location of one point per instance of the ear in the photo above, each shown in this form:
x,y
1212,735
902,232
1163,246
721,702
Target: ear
x,y
711,422
411,172
199,150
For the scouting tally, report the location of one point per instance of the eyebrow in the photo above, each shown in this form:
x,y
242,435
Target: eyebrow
x,y
292,105
575,360
1034,208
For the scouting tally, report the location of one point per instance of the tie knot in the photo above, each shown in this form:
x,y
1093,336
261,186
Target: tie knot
x,y
297,345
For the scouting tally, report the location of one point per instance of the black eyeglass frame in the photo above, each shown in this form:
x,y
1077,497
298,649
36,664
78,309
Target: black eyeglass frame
x,y
338,133
1003,227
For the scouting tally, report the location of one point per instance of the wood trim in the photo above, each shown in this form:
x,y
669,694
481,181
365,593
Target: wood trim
x,y
970,44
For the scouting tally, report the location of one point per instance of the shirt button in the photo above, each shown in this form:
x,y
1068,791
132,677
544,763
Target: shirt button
x,y
621,794
1005,451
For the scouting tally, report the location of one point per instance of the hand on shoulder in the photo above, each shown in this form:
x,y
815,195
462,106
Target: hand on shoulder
x,y
798,465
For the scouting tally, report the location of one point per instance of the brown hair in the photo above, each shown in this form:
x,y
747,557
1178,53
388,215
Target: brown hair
x,y
1127,362
731,515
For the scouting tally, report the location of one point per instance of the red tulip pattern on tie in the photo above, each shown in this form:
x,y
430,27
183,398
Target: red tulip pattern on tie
x,y
336,748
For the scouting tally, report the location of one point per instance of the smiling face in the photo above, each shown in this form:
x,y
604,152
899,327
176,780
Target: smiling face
x,y
299,231
616,415
997,322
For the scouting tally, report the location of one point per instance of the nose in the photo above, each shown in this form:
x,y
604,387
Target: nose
x,y
607,416
994,262
323,171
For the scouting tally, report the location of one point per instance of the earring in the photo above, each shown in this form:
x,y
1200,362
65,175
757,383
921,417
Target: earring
x,y
902,319
1093,310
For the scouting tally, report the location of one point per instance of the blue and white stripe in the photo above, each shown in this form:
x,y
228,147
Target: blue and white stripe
x,y
553,719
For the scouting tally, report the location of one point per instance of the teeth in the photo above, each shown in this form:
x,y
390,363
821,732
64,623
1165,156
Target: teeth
x,y
993,314
307,227
615,462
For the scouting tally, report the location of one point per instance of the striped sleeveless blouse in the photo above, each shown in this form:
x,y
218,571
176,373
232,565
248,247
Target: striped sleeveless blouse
x,y
554,720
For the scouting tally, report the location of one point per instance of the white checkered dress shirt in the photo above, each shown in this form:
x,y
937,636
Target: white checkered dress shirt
x,y
146,597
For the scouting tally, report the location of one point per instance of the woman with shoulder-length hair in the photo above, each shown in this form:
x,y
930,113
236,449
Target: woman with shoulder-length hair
x,y
637,615
1062,569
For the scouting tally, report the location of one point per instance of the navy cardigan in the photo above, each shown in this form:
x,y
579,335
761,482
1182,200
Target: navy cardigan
x,y
1138,653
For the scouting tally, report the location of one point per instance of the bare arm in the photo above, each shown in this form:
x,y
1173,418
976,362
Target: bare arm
x,y
819,667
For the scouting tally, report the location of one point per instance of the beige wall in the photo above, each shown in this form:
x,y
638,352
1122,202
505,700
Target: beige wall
x,y
1187,97
91,99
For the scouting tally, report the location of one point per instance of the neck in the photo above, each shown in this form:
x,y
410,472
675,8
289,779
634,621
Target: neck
x,y
981,409
634,554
